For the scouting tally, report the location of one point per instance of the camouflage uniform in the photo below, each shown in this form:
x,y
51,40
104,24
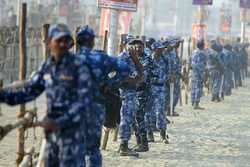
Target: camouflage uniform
x,y
150,115
228,70
143,95
158,81
215,69
175,69
198,64
129,101
101,65
68,88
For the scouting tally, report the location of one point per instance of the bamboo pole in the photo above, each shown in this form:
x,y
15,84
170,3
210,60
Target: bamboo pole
x,y
115,137
76,46
105,138
27,160
40,161
105,41
22,75
45,40
24,122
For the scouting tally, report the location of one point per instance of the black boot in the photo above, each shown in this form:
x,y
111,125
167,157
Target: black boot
x,y
138,140
222,96
151,137
198,107
175,114
143,146
218,99
164,137
125,151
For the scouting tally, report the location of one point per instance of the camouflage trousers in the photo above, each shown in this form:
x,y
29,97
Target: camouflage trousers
x,y
128,113
177,92
238,78
93,131
150,115
215,83
196,92
140,123
65,150
159,106
228,83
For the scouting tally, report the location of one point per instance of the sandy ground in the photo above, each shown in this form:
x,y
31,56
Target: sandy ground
x,y
216,137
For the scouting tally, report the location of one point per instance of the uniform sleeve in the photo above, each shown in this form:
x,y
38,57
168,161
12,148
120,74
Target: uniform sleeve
x,y
120,67
30,91
82,104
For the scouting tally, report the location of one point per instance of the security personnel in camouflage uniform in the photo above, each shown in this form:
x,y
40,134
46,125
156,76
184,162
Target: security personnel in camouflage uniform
x,y
237,66
173,64
101,65
215,69
143,92
158,81
228,69
67,82
223,62
175,70
129,98
150,115
198,64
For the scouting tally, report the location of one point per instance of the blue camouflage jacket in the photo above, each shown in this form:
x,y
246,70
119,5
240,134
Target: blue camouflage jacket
x,y
213,61
68,87
125,57
198,63
147,62
159,71
228,59
174,64
102,66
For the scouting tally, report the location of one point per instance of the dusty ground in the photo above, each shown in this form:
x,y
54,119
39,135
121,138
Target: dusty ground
x,y
216,137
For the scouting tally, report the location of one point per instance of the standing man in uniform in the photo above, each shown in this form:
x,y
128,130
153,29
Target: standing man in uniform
x,y
101,65
198,64
215,69
150,116
158,81
228,69
67,82
129,97
237,65
143,95
174,73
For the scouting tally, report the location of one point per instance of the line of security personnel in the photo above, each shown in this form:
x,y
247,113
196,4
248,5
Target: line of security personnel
x,y
227,65
75,86
147,75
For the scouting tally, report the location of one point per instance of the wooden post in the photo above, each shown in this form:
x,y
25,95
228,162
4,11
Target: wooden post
x,y
76,46
181,58
105,138
115,137
105,41
22,75
45,40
